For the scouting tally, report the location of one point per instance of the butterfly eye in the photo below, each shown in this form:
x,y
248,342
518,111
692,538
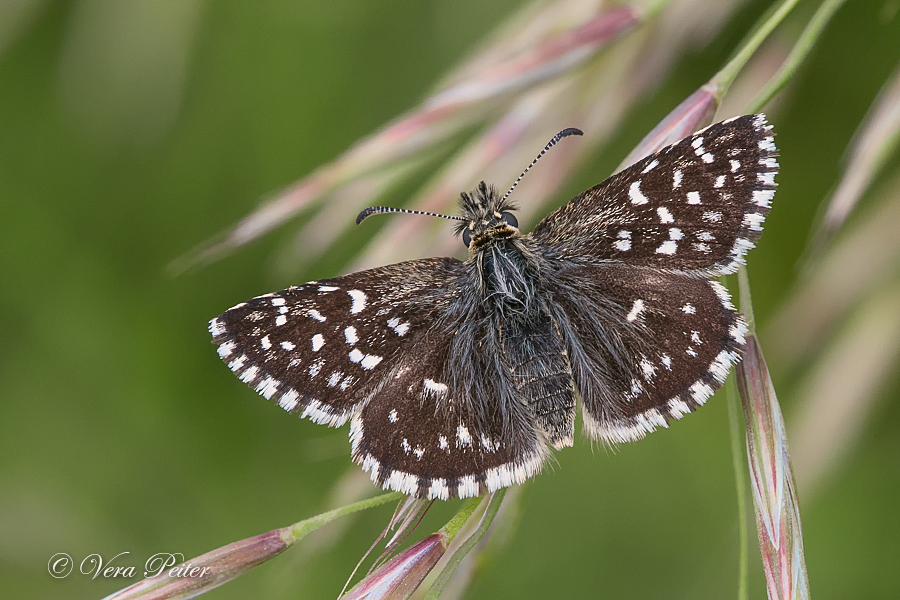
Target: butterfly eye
x,y
510,219
467,236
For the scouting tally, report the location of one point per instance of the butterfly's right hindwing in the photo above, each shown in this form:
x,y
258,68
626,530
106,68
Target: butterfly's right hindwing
x,y
322,348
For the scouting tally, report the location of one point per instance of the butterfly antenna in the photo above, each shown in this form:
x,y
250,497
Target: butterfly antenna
x,y
379,210
550,144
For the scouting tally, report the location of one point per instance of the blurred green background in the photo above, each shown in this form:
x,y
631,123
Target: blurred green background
x,y
131,132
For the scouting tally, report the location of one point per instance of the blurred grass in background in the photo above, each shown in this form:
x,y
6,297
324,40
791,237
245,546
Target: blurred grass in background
x,y
131,132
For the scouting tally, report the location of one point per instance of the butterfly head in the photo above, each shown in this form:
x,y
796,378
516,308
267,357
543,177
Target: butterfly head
x,y
485,217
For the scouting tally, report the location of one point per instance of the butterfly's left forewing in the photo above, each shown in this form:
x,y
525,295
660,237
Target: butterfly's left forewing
x,y
322,348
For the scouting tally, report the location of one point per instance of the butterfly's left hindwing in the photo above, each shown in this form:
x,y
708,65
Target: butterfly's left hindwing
x,y
418,436
322,348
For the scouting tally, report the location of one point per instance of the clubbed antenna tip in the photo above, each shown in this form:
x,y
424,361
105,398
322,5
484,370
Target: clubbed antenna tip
x,y
550,144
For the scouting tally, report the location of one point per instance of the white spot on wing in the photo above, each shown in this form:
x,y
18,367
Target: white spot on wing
x,y
439,489
738,331
677,408
288,346
350,335
216,327
720,181
636,309
434,386
652,164
226,349
648,369
250,374
735,165
289,400
624,240
688,309
636,387
238,363
359,301
265,343
392,416
668,247
676,179
467,486
763,198
317,342
766,178
399,328
754,221
267,387
463,436
280,320
634,192
693,197
767,144
701,392
665,216
335,379
370,361
316,315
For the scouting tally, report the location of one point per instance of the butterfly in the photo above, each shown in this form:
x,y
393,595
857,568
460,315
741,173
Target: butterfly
x,y
461,377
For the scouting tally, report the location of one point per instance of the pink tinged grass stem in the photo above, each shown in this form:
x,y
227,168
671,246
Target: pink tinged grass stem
x,y
698,109
444,114
873,144
189,579
493,501
399,577
547,59
772,480
695,112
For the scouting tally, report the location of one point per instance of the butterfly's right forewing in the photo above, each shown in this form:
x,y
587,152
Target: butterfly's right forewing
x,y
696,206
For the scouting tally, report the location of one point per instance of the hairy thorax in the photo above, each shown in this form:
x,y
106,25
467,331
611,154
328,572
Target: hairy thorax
x,y
506,274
